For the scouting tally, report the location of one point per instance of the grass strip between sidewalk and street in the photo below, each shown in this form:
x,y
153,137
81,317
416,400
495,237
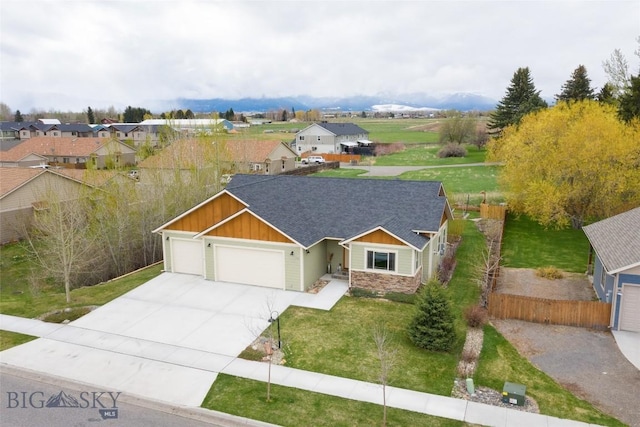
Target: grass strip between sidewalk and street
x,y
295,407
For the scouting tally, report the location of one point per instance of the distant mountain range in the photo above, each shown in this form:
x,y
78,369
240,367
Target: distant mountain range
x,y
410,102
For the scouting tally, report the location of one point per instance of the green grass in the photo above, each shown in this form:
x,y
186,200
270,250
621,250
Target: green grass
x,y
294,407
427,155
500,362
527,244
12,339
19,297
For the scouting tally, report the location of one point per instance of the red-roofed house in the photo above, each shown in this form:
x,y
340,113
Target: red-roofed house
x,y
68,152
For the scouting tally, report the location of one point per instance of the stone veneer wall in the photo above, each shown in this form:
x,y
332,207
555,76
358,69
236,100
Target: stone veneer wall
x,y
379,282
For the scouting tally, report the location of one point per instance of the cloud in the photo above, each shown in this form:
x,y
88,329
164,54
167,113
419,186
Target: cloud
x,y
71,54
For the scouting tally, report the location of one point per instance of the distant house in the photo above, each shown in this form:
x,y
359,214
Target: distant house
x,y
614,262
190,126
286,232
261,157
329,138
68,152
23,190
45,127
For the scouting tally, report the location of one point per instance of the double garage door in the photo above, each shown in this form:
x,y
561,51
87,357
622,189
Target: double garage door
x,y
250,266
630,309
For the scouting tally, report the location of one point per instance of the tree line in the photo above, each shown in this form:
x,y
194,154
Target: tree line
x,y
575,162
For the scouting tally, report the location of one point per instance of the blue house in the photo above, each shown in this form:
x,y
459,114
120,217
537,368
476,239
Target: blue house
x,y
614,262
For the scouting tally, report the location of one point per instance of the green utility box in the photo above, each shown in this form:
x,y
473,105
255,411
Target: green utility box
x,y
513,393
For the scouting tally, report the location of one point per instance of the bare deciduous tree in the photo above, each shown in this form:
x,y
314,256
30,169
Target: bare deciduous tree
x,y
61,238
387,356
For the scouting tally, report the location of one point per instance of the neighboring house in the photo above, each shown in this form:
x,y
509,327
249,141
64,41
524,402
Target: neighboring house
x,y
287,231
23,190
261,157
68,152
136,133
191,126
615,242
329,138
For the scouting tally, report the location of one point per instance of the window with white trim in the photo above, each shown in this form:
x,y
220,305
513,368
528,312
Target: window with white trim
x,y
381,260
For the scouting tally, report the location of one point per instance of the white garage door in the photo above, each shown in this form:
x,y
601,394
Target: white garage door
x,y
630,310
187,256
250,266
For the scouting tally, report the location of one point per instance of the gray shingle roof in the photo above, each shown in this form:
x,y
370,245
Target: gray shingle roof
x,y
616,240
309,209
343,128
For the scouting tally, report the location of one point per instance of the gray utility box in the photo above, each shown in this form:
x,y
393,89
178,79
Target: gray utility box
x,y
513,393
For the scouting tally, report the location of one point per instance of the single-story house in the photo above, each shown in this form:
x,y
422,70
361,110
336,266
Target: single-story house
x,y
287,231
23,190
614,262
330,138
68,152
261,157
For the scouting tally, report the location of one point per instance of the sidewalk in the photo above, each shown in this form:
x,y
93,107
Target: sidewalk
x,y
210,364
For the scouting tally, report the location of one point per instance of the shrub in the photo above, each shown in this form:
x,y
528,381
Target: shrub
x,y
452,150
447,265
476,316
432,327
549,273
384,149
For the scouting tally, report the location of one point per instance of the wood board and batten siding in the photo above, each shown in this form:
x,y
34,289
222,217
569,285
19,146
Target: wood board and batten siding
x,y
247,226
590,314
212,212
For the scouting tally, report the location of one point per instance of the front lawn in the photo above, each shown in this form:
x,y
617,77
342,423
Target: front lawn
x,y
527,244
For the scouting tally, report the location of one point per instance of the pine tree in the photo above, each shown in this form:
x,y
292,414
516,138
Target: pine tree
x,y
605,96
521,99
578,87
90,117
432,328
629,108
18,117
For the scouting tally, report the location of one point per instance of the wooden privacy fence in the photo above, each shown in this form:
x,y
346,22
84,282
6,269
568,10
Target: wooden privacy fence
x,y
589,314
493,211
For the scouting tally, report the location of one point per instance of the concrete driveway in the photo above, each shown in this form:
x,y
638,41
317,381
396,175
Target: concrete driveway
x,y
165,340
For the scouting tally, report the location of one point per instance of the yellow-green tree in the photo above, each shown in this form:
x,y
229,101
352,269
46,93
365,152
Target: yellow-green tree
x,y
570,164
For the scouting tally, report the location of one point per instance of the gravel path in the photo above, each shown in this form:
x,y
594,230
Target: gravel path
x,y
399,170
588,363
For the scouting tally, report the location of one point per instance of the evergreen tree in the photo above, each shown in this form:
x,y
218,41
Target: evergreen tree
x,y
578,87
90,117
521,99
605,96
18,117
432,327
189,114
629,108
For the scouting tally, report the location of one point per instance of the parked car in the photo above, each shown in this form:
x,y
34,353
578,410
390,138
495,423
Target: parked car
x,y
313,160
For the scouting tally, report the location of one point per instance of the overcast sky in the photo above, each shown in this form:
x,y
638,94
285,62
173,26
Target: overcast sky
x,y
67,55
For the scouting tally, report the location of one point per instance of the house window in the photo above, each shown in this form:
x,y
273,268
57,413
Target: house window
x,y
318,137
378,260
603,277
301,137
65,160
55,133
